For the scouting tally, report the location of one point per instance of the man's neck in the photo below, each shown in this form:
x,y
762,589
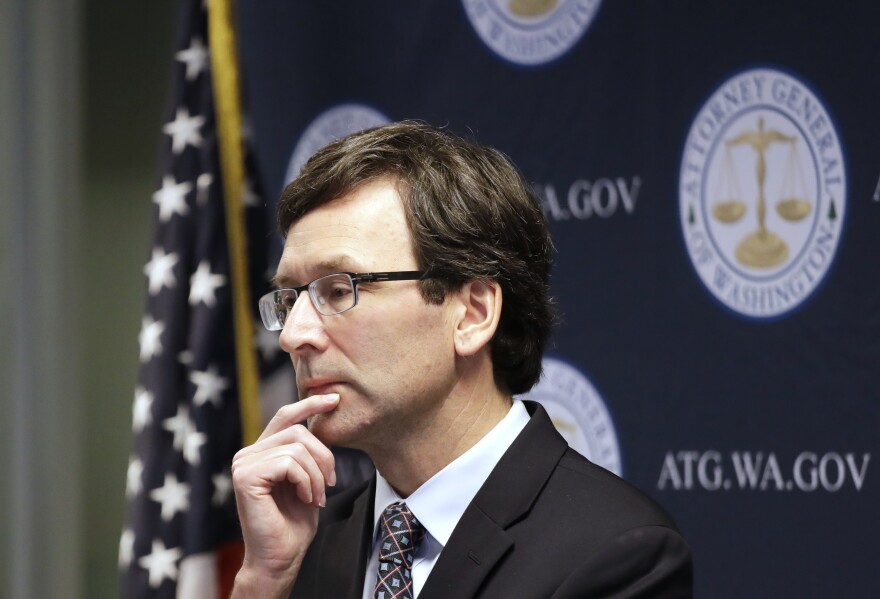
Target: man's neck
x,y
454,427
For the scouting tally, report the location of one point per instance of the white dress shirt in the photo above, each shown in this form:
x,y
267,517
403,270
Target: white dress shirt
x,y
440,502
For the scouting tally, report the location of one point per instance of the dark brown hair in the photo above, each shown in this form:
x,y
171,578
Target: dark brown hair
x,y
471,216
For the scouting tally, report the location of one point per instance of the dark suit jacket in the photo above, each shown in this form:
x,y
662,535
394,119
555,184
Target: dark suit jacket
x,y
547,523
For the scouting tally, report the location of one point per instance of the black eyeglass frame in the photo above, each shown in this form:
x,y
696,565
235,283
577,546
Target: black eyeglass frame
x,y
271,300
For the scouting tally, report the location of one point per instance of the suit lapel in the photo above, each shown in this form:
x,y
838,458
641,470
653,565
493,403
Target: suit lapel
x,y
476,545
480,540
343,556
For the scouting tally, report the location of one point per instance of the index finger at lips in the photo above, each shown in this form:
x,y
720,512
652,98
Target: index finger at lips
x,y
293,413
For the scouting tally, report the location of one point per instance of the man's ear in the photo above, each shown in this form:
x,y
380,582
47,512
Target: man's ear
x,y
478,314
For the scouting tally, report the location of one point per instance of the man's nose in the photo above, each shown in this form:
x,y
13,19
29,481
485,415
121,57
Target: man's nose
x,y
303,330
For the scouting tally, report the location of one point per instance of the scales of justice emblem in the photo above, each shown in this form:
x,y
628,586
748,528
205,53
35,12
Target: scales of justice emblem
x,y
762,193
762,248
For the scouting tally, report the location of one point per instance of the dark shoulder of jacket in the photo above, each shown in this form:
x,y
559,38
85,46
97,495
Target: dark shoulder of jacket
x,y
621,497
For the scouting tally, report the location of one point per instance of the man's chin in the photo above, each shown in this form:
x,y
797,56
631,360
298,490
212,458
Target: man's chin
x,y
331,429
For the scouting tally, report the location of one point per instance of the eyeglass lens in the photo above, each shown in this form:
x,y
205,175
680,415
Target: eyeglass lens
x,y
333,294
330,295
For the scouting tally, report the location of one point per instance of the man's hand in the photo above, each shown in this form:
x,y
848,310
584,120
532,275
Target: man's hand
x,y
280,482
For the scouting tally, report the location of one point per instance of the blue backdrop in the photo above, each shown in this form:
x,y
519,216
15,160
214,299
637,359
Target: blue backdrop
x,y
710,173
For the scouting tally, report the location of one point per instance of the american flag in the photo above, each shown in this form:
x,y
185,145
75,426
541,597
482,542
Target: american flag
x,y
181,536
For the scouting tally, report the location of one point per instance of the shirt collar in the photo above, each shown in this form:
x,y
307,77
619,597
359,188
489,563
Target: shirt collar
x,y
441,500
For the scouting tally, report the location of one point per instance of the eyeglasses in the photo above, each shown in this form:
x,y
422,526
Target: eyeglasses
x,y
330,294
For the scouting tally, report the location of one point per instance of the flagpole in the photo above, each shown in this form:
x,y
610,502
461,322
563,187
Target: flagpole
x,y
224,66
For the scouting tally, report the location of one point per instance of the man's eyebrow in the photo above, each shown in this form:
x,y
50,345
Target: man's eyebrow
x,y
282,282
336,263
329,265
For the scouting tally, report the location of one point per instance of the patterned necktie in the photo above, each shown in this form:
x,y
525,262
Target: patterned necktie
x,y
401,535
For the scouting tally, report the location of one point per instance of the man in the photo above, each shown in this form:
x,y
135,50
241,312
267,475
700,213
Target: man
x,y
413,301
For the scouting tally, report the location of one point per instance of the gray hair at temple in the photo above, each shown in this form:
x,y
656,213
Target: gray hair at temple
x,y
471,215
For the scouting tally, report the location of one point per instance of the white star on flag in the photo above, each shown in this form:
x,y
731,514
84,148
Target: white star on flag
x,y
173,495
150,338
209,386
222,488
248,197
186,437
195,58
192,444
141,414
203,184
160,270
266,341
203,285
184,129
126,548
162,563
172,198
133,482
178,425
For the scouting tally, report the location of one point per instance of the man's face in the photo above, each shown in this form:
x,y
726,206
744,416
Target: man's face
x,y
390,358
